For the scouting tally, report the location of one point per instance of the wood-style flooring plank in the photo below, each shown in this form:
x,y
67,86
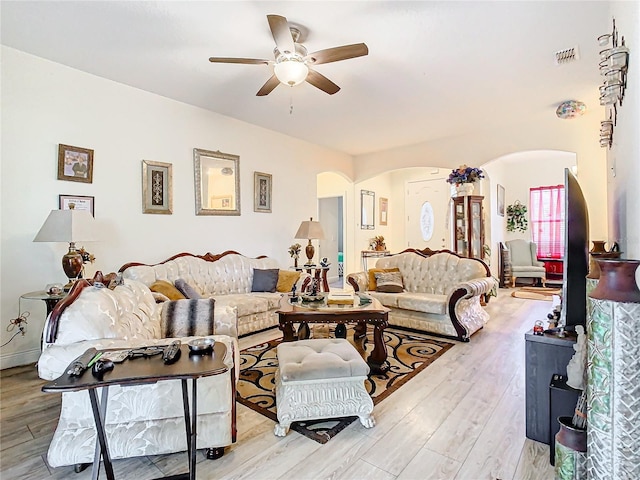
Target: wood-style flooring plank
x,y
428,465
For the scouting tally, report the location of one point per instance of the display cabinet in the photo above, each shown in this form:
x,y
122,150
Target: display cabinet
x,y
468,226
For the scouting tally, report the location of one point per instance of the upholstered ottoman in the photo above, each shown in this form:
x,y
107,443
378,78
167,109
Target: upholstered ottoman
x,y
320,378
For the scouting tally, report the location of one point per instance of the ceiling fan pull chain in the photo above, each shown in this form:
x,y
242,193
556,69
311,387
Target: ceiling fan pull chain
x,y
291,104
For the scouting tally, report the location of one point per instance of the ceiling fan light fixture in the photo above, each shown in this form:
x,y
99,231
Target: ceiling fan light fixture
x,y
291,71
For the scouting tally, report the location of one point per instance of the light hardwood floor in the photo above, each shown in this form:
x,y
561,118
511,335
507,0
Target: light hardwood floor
x,y
461,418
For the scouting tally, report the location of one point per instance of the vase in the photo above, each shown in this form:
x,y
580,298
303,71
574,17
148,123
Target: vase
x,y
295,262
570,451
464,189
613,364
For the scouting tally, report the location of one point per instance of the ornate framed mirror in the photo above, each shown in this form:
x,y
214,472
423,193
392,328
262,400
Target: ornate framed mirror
x,y
217,182
367,211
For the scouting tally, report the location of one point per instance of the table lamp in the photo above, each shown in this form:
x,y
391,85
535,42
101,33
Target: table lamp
x,y
69,226
310,230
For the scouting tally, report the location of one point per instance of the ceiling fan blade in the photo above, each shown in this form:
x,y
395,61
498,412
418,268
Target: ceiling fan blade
x,y
248,61
323,83
268,87
336,54
281,34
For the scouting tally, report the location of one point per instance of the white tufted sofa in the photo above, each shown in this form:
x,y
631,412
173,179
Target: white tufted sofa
x,y
140,420
227,278
442,292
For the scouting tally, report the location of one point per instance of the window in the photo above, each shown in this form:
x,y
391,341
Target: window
x,y
547,220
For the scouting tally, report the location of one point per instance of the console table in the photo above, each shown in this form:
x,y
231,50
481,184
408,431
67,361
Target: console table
x,y
366,254
141,371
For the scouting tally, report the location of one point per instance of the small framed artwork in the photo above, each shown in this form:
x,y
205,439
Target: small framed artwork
x,y
262,192
75,164
500,202
157,188
76,202
384,206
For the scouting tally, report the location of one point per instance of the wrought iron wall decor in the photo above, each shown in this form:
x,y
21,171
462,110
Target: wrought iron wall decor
x,y
613,66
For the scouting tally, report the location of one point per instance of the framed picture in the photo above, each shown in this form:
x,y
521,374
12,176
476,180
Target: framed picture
x,y
384,206
262,192
76,202
75,164
500,202
157,188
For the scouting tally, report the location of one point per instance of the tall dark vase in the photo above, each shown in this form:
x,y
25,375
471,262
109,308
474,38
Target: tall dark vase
x,y
613,367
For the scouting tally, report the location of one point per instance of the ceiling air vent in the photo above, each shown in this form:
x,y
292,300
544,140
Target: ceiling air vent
x,y
567,55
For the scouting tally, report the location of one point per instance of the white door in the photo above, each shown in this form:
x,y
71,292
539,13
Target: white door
x,y
427,214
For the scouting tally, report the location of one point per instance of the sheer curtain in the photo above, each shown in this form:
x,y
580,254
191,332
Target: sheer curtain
x,y
547,220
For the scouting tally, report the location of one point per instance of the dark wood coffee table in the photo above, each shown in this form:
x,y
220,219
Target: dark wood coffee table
x,y
373,313
141,371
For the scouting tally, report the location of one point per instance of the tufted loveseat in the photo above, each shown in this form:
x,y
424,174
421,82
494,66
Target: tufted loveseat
x,y
227,278
442,292
144,419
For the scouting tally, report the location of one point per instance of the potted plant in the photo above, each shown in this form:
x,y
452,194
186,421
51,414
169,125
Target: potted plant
x,y
294,251
464,177
377,243
517,217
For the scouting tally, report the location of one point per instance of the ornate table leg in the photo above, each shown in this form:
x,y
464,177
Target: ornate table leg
x,y
287,330
378,359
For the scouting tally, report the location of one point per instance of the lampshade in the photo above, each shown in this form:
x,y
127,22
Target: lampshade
x,y
310,230
68,226
291,72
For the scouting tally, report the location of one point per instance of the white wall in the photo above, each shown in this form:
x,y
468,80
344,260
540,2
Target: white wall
x,y
44,104
623,160
580,136
382,186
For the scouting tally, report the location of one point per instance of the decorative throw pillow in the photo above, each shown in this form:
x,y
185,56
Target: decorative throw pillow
x,y
160,297
372,275
186,318
167,289
186,289
286,280
265,280
389,282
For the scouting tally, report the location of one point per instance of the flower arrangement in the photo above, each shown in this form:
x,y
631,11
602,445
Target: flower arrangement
x,y
377,243
464,174
294,250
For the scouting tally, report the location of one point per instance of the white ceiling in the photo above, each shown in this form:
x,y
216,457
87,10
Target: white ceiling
x,y
434,69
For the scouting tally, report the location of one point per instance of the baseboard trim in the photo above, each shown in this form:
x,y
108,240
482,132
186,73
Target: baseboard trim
x,y
19,358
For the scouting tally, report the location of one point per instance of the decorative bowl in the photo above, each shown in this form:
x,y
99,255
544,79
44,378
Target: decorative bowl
x,y
201,345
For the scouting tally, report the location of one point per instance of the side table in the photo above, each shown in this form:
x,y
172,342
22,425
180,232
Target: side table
x,y
49,300
319,273
141,371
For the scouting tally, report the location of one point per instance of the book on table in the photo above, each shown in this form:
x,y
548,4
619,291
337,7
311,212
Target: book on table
x,y
340,298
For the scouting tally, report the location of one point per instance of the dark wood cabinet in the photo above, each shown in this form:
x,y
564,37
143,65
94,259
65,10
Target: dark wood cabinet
x,y
468,226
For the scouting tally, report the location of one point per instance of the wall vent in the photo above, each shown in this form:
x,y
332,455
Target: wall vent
x,y
567,55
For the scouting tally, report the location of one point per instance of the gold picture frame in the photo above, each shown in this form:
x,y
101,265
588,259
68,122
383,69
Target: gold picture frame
x,y
384,210
262,184
217,182
157,187
75,164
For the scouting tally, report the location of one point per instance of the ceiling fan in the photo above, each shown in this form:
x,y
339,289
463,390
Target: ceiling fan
x,y
292,62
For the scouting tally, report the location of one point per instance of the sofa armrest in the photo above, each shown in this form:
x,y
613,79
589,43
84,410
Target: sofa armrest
x,y
476,287
359,281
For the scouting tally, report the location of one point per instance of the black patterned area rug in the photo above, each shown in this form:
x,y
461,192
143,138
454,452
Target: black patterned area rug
x,y
408,354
